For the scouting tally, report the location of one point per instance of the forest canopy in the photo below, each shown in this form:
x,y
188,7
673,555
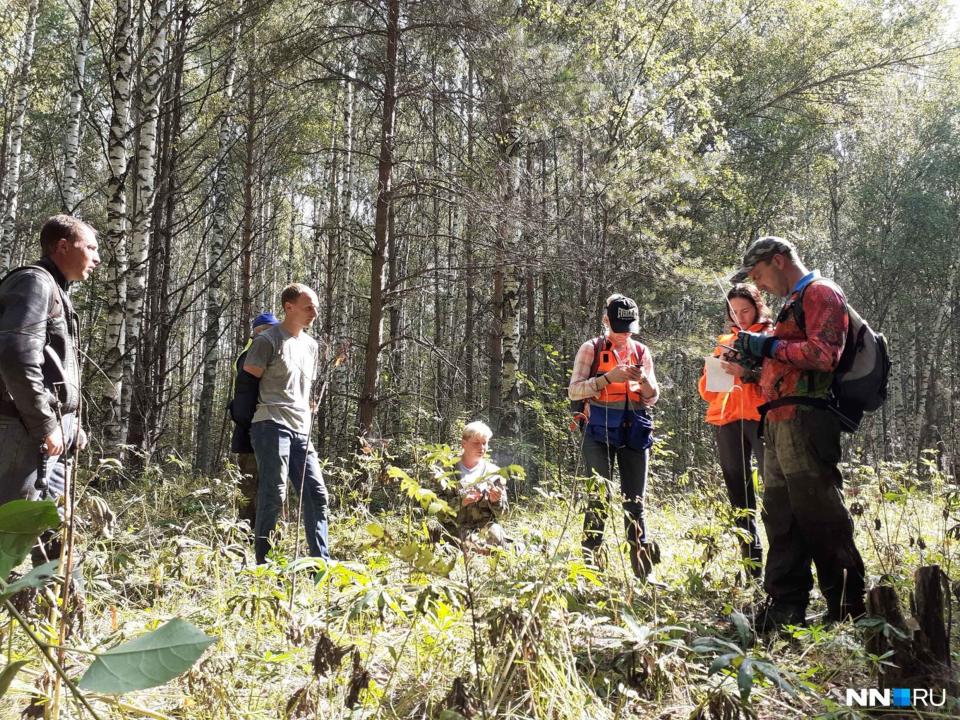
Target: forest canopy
x,y
464,182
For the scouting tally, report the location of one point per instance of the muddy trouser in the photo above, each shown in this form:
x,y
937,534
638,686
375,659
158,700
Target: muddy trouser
x,y
19,464
736,441
247,463
600,458
805,518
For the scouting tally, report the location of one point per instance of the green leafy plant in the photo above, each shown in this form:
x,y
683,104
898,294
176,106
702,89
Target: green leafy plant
x,y
150,660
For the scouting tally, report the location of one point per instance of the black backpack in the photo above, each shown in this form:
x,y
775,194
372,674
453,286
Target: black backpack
x,y
861,379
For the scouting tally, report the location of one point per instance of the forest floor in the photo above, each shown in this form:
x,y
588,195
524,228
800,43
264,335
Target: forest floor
x,y
401,627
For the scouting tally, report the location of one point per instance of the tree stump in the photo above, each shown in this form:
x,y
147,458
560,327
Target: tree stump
x,y
920,644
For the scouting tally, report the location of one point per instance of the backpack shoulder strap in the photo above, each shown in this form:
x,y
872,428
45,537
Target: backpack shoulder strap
x,y
797,304
43,271
598,344
55,296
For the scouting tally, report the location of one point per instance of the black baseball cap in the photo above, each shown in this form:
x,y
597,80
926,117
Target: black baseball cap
x,y
623,314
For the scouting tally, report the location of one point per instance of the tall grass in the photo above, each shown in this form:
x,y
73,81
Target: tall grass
x,y
404,626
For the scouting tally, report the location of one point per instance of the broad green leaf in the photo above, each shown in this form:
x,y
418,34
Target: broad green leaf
x,y
712,644
375,529
641,633
9,672
21,521
773,673
742,625
36,578
721,662
148,660
745,679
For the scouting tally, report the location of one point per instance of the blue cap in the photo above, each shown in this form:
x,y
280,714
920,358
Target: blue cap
x,y
267,318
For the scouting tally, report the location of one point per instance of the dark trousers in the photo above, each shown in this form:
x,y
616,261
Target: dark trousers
x,y
600,458
283,454
247,463
805,518
736,442
19,467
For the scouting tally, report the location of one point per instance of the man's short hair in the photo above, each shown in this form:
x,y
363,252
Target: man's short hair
x,y
292,292
476,429
61,227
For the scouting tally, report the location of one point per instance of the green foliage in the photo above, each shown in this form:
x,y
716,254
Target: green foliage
x,y
21,522
8,674
736,660
147,661
37,578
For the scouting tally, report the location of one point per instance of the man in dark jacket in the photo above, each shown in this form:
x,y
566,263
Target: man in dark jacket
x,y
246,388
803,509
39,367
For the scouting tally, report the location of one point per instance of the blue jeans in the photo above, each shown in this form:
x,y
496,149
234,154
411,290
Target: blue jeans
x,y
20,461
283,453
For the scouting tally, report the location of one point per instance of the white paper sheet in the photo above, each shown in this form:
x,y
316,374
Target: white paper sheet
x,y
718,380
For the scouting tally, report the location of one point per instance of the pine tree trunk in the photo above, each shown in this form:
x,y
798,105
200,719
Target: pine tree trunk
x,y
371,367
217,243
71,141
11,184
116,231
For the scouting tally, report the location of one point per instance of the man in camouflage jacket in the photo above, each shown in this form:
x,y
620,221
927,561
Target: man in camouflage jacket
x,y
803,509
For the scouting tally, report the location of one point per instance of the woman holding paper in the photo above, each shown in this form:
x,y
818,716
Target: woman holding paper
x,y
734,396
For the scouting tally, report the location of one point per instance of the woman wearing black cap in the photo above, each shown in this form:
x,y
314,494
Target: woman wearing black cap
x,y
613,375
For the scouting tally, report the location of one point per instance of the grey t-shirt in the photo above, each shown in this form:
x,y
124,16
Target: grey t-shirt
x,y
289,366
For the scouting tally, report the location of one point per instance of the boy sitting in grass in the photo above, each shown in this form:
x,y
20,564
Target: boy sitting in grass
x,y
482,491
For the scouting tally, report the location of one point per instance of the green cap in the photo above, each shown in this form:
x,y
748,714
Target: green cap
x,y
762,249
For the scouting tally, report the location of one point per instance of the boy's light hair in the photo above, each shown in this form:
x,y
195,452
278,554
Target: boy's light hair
x,y
477,428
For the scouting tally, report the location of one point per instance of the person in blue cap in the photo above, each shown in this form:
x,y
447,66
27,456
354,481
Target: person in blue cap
x,y
243,405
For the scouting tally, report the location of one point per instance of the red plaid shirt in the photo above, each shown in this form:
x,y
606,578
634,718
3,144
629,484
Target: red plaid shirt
x,y
803,362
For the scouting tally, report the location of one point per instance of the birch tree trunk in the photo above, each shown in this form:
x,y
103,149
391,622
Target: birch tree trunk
x,y
215,254
508,238
246,251
71,141
469,323
116,232
11,186
145,196
371,366
150,406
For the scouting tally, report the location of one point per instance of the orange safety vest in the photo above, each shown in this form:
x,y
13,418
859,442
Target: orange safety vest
x,y
742,402
619,395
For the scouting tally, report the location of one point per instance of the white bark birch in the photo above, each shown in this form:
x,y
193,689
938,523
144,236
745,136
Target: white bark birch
x,y
215,256
116,232
146,192
71,141
507,246
11,186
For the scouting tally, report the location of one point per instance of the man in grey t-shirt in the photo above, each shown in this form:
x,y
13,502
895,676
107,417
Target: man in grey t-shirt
x,y
284,357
